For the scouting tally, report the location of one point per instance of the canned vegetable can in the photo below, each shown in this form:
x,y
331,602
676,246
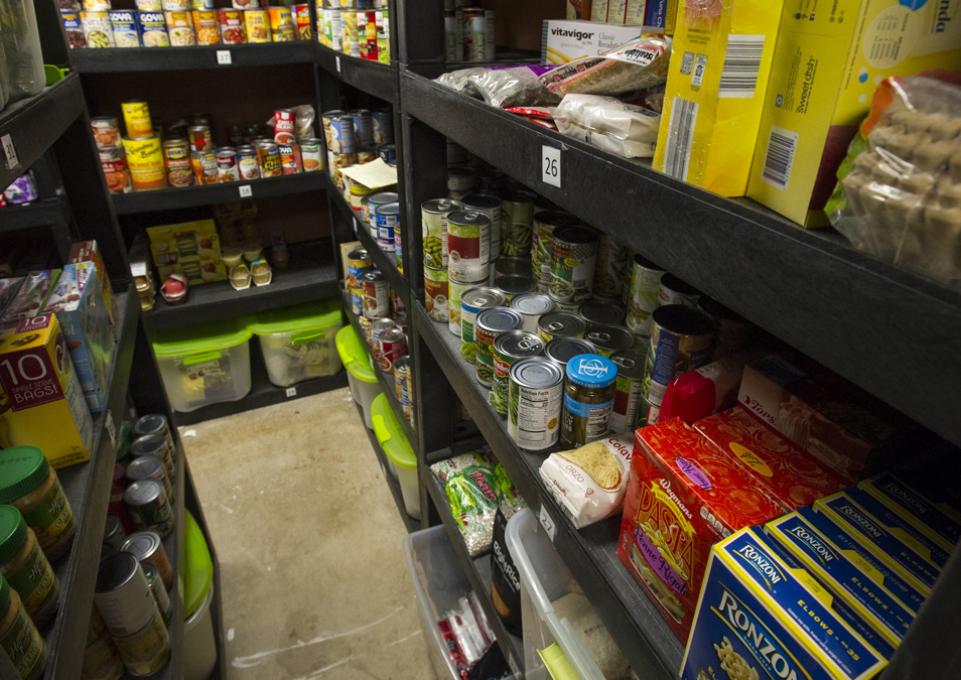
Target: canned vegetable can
x,y
534,403
455,293
612,268
573,258
489,206
628,390
610,339
561,350
374,285
531,307
491,323
435,293
542,245
434,214
598,313
468,242
560,325
642,295
681,340
517,220
473,302
509,348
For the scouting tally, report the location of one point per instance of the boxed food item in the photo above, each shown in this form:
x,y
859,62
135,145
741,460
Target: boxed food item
x,y
88,251
757,617
716,86
190,248
565,41
789,475
937,524
8,290
78,302
197,270
651,13
29,299
684,495
846,574
826,67
41,402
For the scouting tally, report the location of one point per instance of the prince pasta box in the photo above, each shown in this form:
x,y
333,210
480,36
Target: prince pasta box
x,y
684,495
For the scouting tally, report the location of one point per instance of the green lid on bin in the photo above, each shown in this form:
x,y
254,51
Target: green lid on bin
x,y
306,317
22,469
354,355
198,568
13,532
390,434
212,336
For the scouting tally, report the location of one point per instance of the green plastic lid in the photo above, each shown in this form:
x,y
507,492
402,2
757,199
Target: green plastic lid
x,y
354,355
212,336
310,316
390,434
198,568
557,664
22,469
13,532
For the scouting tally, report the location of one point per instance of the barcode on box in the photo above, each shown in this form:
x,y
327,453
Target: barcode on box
x,y
742,63
781,146
680,132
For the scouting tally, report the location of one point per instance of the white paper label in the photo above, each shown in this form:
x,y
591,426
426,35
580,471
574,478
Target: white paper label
x,y
337,61
138,268
547,523
224,58
9,152
551,166
246,191
291,392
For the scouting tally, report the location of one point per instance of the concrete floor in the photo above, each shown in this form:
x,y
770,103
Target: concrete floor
x,y
309,539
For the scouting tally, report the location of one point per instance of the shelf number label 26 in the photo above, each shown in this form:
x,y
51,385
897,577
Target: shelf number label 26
x,y
551,166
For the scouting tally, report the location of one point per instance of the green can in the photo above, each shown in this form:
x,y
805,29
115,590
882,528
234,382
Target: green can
x,y
542,245
510,348
517,222
472,303
433,220
491,324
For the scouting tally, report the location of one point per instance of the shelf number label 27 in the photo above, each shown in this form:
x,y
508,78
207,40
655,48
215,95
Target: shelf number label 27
x,y
224,58
551,166
548,523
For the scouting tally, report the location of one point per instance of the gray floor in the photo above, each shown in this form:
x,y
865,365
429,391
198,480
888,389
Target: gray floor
x,y
309,541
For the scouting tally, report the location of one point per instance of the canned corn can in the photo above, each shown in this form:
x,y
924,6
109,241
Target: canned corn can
x,y
232,28
177,162
136,118
510,348
382,126
542,245
145,163
312,153
206,26
681,340
282,27
153,29
468,242
491,324
473,302
435,293
573,258
257,25
535,394
247,164
642,295
374,284
516,223
123,23
434,214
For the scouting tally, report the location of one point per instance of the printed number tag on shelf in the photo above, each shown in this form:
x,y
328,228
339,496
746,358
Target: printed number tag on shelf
x,y
111,430
291,392
224,58
246,191
551,166
9,152
337,61
547,523
138,268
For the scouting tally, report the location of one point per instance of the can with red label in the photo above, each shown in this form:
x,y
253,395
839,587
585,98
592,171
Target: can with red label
x,y
200,138
268,158
374,284
227,170
285,126
301,14
247,164
232,31
391,346
115,171
290,159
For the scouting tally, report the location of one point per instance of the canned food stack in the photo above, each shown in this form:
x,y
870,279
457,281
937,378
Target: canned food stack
x,y
106,136
469,33
356,137
357,28
182,23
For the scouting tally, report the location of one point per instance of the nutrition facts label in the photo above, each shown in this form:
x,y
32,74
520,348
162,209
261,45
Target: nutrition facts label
x,y
537,418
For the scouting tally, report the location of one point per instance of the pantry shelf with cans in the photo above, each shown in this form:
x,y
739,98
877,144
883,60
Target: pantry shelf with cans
x,y
126,60
374,78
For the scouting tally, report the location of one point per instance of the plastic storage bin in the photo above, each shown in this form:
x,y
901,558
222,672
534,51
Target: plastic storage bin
x,y
297,343
200,646
204,364
360,375
403,463
545,580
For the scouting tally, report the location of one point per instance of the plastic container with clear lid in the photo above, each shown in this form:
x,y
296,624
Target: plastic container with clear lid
x,y
360,376
20,40
297,343
396,447
26,567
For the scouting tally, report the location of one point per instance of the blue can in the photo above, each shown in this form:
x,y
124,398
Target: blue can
x,y
343,139
388,152
126,33
388,220
383,123
363,129
153,29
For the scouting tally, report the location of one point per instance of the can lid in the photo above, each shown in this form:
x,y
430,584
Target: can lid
x,y
383,197
562,349
597,313
147,445
358,254
116,570
630,363
517,344
577,234
536,373
591,370
480,201
152,423
514,283
22,469
671,282
142,544
562,322
144,467
441,205
482,297
143,492
615,338
533,303
13,532
388,209
468,218
373,275
112,526
499,320
683,320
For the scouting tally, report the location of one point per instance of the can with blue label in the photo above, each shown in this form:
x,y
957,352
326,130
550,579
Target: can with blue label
x,y
681,340
388,220
153,29
383,122
124,25
588,399
363,128
388,153
343,139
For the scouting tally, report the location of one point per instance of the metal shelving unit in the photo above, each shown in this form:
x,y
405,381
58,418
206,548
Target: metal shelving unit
x,y
376,79
145,60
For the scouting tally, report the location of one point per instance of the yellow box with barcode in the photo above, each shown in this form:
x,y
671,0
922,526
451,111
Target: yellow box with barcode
x,y
715,91
829,59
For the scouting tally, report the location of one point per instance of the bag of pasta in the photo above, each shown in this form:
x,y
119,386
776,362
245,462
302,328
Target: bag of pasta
x,y
609,124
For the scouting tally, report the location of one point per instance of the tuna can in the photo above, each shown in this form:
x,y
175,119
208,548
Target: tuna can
x,y
358,260
455,291
247,164
588,399
177,162
560,325
136,117
561,350
434,214
435,293
516,223
404,386
124,25
673,291
460,182
363,128
509,348
153,29
149,467
490,206
312,153
149,506
542,245
610,339
146,546
468,242
574,255
531,307
597,313
490,324
392,345
681,340
158,590
611,270
628,390
342,134
388,221
534,403
473,302
642,296
374,201
232,31
227,170
734,332
145,162
383,126
376,304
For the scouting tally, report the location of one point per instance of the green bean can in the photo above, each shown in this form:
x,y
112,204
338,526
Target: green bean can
x,y
455,294
612,269
573,259
560,325
434,230
517,221
509,348
642,296
490,206
628,390
534,403
468,240
491,324
472,303
542,245
512,285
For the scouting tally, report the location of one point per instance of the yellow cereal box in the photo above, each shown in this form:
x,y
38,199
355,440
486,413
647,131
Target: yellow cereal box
x,y
715,91
829,59
41,401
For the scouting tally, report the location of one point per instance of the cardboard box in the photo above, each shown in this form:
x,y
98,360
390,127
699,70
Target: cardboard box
x,y
715,92
88,251
565,41
197,270
937,524
197,239
684,495
826,67
30,298
789,475
41,402
632,12
756,617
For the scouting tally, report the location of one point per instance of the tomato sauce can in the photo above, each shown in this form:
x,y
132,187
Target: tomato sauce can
x,y
290,159
681,340
534,399
247,164
257,23
232,29
374,284
227,170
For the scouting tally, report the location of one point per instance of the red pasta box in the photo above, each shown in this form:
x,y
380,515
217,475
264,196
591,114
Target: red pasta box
x,y
790,475
684,495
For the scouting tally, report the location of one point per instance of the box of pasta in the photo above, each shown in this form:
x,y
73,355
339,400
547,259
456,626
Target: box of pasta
x,y
940,524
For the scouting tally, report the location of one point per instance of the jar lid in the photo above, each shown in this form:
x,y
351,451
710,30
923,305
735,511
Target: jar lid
x,y
22,469
591,370
13,532
142,544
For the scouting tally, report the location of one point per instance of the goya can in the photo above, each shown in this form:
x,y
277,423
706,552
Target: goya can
x,y
404,387
206,26
145,162
490,206
611,270
374,201
560,325
374,284
290,160
642,295
562,350
517,220
542,245
534,403
177,161
282,26
388,221
673,291
123,22
509,348
472,303
455,293
136,118
681,340
382,126
227,170
257,25
312,153
628,390
512,285
532,306
588,399
232,28
597,313
247,164
610,339
435,293
468,243
434,214
573,257
490,324
97,30
153,29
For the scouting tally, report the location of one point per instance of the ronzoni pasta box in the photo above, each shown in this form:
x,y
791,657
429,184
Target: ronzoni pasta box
x,y
684,495
939,524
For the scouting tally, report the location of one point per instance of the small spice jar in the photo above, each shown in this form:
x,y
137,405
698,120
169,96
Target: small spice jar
x,y
588,399
26,567
29,483
19,638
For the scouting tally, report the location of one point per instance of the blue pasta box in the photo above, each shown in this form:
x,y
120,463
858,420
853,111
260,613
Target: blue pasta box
x,y
153,29
126,32
757,617
847,576
942,525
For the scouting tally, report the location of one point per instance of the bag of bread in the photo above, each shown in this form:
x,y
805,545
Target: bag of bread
x,y
589,483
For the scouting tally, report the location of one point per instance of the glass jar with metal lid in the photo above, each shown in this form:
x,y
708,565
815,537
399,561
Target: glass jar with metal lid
x,y
610,339
149,506
532,306
509,348
628,390
561,350
597,313
490,324
146,546
560,325
473,302
534,403
19,638
26,567
588,399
